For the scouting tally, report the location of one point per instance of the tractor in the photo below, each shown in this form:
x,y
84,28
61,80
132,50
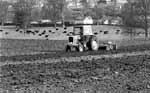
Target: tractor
x,y
79,41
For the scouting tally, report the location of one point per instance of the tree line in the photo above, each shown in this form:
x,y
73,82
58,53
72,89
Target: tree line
x,y
133,14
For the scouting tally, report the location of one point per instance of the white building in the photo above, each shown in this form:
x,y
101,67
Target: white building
x,y
74,4
117,3
78,4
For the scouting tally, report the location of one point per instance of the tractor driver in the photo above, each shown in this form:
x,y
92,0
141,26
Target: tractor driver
x,y
87,31
86,35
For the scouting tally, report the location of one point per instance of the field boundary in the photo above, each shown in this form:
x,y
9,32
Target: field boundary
x,y
78,59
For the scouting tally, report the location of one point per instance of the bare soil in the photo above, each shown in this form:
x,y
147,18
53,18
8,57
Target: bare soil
x,y
107,74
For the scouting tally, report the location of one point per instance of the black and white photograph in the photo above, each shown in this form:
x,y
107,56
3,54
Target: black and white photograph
x,y
74,46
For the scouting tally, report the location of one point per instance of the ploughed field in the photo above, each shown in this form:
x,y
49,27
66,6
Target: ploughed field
x,y
106,75
119,74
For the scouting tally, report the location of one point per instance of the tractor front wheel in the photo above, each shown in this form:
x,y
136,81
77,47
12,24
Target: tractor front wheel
x,y
68,48
114,47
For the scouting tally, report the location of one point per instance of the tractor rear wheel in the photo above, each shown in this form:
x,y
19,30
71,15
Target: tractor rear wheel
x,y
94,45
80,48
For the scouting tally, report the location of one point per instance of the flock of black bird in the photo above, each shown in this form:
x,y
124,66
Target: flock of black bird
x,y
37,32
46,35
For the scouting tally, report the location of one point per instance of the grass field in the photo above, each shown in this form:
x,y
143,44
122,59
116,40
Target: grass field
x,y
12,47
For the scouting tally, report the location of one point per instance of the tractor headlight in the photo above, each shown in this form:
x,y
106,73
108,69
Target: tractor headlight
x,y
70,39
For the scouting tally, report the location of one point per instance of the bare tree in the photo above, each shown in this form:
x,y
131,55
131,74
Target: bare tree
x,y
76,3
85,3
145,7
23,10
53,10
86,7
3,10
135,14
